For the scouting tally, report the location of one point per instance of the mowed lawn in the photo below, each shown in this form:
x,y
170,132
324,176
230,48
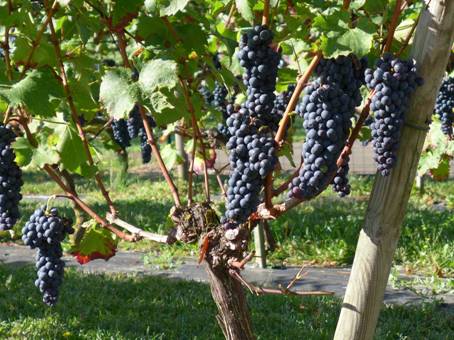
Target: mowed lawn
x,y
136,307
323,232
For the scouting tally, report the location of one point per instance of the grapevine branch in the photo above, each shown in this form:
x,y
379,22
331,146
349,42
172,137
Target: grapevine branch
x,y
266,13
75,116
152,142
150,137
393,25
139,233
228,22
257,290
191,170
73,196
198,134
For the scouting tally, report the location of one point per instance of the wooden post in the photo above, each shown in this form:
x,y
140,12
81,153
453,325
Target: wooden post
x,y
259,240
379,236
182,169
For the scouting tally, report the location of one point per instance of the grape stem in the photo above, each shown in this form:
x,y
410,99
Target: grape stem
x,y
197,134
75,116
266,13
257,290
393,25
232,11
105,126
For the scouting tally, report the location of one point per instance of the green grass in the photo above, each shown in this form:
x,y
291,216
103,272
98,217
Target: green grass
x,y
136,307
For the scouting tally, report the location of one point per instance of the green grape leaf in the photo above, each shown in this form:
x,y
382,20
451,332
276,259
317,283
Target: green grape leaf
x,y
44,53
39,91
244,7
43,155
71,148
96,243
170,156
357,41
158,73
116,94
23,150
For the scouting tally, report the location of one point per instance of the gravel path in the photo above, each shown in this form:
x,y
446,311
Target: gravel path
x,y
329,279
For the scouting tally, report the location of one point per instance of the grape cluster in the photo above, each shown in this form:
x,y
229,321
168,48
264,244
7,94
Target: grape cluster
x,y
145,148
134,122
260,62
222,128
136,128
444,105
251,159
280,104
10,180
327,111
120,133
340,181
394,81
347,72
45,230
327,108
251,145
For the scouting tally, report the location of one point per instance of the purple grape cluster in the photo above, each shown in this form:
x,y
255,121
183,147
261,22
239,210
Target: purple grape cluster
x,y
327,112
251,145
444,105
120,133
10,180
327,108
136,128
394,81
46,230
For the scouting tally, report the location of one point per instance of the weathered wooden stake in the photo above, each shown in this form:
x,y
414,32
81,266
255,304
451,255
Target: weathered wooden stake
x,y
259,240
378,239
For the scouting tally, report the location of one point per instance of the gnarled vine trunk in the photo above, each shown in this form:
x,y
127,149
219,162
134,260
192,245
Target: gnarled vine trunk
x,y
234,316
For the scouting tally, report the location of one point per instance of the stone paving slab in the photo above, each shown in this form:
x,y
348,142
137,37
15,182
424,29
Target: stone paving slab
x,y
328,279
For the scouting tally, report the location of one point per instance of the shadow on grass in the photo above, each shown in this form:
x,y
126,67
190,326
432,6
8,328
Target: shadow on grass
x,y
137,307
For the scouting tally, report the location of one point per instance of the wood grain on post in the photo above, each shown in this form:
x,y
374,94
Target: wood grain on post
x,y
380,234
